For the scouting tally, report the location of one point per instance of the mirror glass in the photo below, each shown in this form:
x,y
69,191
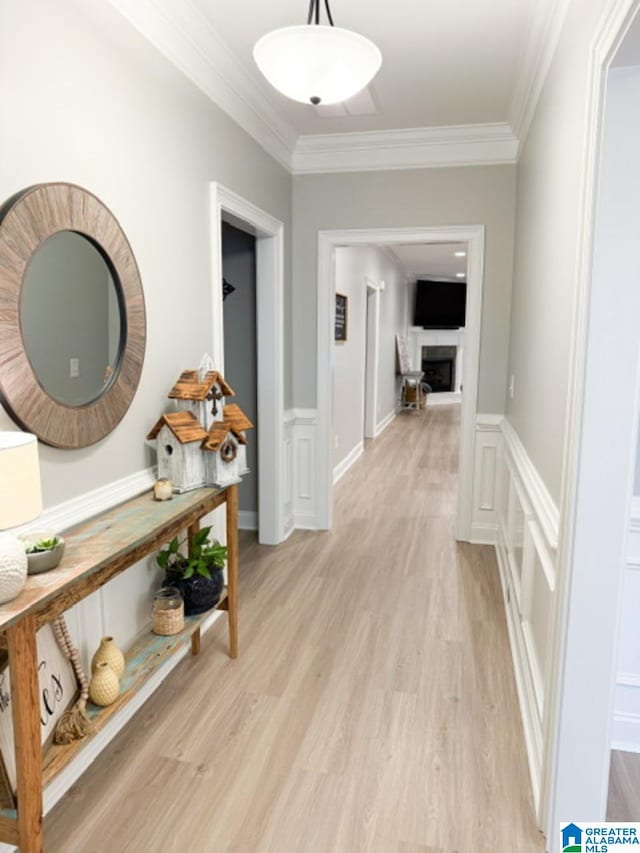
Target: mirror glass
x,y
71,319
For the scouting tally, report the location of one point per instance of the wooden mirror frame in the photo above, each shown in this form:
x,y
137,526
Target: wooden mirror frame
x,y
26,221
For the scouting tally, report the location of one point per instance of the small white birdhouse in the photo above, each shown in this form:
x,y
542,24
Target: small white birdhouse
x,y
226,451
179,437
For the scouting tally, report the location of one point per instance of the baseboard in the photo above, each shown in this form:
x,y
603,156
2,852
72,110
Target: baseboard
x,y
247,519
444,398
484,534
384,423
306,521
626,732
350,459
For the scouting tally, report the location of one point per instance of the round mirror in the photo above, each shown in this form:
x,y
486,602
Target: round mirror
x,y
71,319
72,315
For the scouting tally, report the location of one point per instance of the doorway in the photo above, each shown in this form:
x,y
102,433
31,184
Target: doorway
x,y
240,352
329,242
231,208
372,354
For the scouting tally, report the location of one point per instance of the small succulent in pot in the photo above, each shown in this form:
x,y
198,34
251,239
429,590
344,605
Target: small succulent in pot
x,y
44,551
199,574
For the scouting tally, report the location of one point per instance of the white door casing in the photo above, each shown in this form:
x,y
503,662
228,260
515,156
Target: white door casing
x,y
372,355
269,295
328,241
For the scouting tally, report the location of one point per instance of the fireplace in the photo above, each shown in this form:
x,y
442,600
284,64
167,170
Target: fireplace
x,y
438,373
439,367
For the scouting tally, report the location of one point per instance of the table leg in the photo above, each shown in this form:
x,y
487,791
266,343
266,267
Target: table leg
x,y
195,642
195,637
232,567
25,704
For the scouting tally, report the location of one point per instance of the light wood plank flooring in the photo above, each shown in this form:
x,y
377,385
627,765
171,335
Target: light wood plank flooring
x,y
624,787
373,706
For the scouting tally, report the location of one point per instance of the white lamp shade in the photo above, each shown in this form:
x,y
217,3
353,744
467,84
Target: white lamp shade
x,y
313,61
20,492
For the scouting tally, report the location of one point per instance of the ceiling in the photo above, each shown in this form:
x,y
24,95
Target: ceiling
x,y
446,62
437,260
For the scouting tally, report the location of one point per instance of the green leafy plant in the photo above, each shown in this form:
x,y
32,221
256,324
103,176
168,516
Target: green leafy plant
x,y
204,555
42,545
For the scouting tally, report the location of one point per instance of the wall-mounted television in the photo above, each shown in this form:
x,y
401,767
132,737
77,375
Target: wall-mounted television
x,y
440,304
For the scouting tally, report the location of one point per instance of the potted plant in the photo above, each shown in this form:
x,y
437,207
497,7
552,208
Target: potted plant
x,y
198,574
44,551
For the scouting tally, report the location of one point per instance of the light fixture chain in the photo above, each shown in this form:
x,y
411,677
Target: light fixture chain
x,y
312,5
326,6
314,12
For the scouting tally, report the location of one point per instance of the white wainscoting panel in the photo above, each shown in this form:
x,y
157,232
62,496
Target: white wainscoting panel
x,y
288,473
304,432
626,719
486,480
527,536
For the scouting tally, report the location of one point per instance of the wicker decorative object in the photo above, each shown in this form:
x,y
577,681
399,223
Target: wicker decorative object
x,y
104,688
109,652
168,612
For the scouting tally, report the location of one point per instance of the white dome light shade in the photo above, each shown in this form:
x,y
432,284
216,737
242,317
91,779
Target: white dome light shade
x,y
317,64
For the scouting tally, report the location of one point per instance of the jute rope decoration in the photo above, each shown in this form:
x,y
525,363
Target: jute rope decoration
x,y
74,724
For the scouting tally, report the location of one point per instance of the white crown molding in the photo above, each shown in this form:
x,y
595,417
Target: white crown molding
x,y
408,148
543,33
188,39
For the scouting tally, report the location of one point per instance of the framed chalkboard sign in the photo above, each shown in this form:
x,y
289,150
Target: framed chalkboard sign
x,y
340,333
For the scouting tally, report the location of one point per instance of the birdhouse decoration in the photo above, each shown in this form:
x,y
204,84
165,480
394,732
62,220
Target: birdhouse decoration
x,y
204,442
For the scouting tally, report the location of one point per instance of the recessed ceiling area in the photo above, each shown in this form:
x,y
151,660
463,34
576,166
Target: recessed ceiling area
x,y
446,62
433,260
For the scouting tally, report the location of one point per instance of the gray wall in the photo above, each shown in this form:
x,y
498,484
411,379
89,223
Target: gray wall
x,y
240,343
424,197
548,210
86,99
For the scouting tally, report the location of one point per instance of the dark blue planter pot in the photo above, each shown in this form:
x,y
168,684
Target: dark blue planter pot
x,y
200,594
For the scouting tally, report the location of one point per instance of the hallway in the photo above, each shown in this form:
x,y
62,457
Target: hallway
x,y
373,706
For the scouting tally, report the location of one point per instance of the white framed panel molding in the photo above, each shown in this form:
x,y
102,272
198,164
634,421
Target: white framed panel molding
x,y
526,546
626,715
302,428
486,480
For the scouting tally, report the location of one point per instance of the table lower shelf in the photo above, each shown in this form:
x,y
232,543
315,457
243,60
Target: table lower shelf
x,y
143,659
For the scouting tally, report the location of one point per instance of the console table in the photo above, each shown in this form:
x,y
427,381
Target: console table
x,y
97,551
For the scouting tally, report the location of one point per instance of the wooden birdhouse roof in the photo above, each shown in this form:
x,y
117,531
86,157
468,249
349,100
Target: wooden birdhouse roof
x,y
234,415
218,435
184,425
190,387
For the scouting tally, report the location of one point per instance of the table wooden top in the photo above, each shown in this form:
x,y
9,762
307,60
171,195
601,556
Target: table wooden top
x,y
104,539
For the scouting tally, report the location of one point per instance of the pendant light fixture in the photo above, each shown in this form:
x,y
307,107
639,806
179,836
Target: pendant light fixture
x,y
317,63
